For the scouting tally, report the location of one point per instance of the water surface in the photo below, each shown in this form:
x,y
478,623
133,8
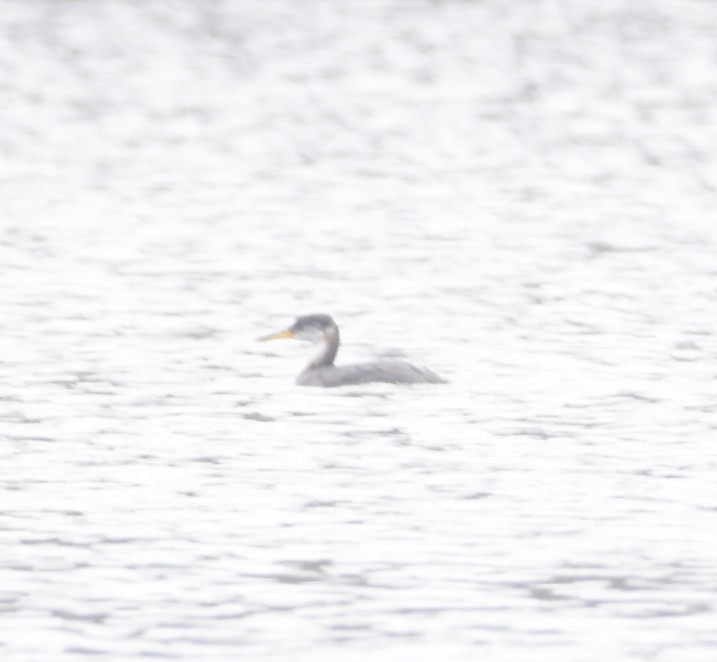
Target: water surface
x,y
518,195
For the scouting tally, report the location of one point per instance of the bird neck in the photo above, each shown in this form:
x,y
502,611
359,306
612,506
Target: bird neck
x,y
328,350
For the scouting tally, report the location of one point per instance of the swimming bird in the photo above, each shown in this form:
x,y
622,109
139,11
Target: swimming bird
x,y
321,371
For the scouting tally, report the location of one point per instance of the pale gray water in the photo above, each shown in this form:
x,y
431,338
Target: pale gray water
x,y
519,195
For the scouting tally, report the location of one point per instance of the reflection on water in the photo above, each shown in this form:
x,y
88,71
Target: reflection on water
x,y
519,196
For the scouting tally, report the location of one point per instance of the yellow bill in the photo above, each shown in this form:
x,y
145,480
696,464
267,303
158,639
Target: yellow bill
x,y
277,336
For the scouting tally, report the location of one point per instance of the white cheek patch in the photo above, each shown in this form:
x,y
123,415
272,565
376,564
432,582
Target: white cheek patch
x,y
330,335
311,334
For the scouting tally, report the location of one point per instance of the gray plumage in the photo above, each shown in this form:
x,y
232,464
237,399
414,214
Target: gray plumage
x,y
321,371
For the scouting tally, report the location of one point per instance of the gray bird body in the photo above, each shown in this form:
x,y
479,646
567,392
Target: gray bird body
x,y
389,372
321,371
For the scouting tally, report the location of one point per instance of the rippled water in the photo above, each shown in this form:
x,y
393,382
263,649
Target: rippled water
x,y
519,195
